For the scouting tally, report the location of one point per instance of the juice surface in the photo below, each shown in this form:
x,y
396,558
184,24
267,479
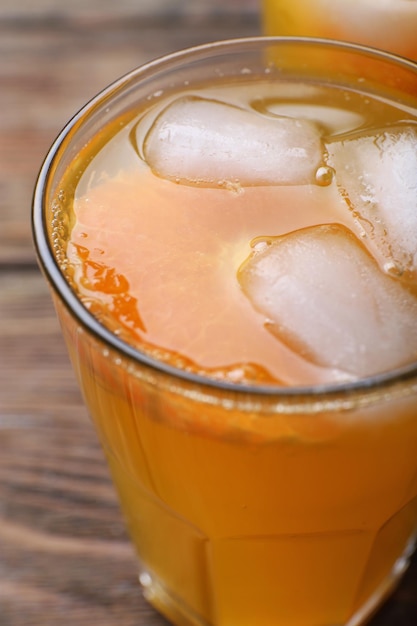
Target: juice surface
x,y
160,260
241,517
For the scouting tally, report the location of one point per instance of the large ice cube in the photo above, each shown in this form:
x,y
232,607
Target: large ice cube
x,y
197,140
377,174
323,295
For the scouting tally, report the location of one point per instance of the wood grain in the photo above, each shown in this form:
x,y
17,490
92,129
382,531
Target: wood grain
x,y
64,554
53,62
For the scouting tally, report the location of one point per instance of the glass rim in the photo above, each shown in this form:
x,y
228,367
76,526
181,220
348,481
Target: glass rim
x,y
381,382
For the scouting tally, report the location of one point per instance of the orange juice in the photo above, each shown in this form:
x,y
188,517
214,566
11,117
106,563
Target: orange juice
x,y
389,25
240,311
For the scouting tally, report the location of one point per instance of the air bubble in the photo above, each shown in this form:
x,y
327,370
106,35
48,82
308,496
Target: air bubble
x,y
324,176
393,269
259,244
233,187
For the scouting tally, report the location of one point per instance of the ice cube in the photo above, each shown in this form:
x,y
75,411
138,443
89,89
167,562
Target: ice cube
x,y
322,293
333,119
377,175
197,140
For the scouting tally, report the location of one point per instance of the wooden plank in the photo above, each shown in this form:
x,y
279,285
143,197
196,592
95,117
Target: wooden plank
x,y
27,9
64,554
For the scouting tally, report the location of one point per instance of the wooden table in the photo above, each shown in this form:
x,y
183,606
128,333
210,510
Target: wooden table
x,y
64,555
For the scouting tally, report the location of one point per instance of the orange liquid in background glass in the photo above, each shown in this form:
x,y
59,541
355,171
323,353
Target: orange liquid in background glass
x,y
388,25
238,519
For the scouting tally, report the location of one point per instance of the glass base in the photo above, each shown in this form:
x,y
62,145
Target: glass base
x,y
166,603
171,607
385,589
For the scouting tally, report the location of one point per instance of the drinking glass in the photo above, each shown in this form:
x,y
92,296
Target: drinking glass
x,y
247,503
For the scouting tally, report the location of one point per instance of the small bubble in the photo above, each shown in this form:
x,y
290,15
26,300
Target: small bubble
x,y
324,176
233,186
390,267
259,244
